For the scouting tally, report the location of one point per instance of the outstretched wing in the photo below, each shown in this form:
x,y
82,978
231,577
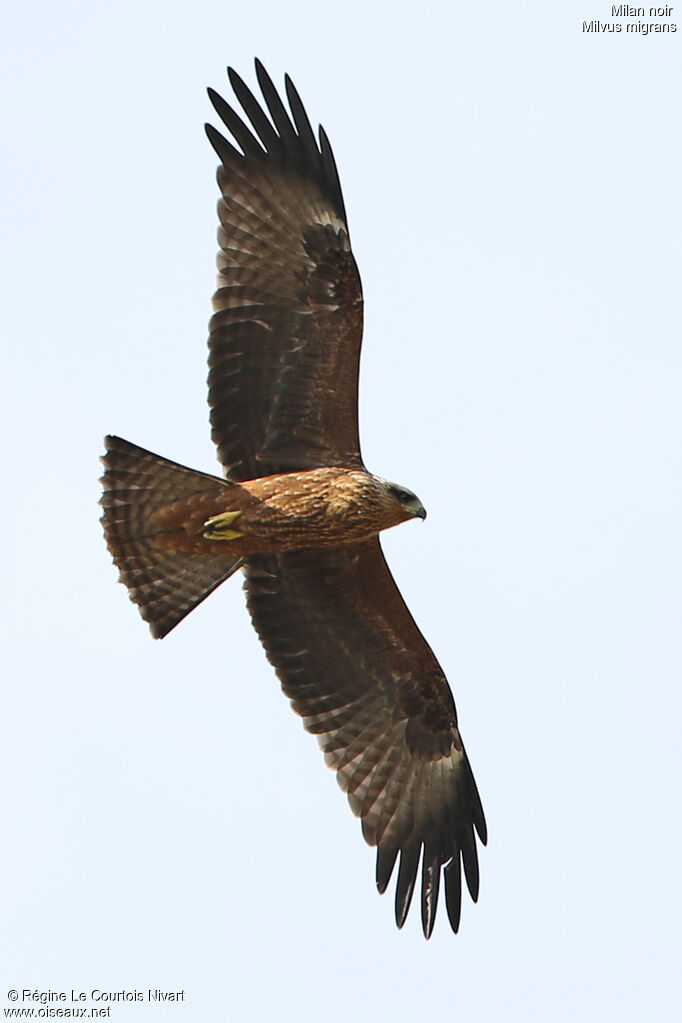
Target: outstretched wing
x,y
356,668
286,333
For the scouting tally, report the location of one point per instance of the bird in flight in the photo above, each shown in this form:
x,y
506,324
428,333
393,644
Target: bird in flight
x,y
298,512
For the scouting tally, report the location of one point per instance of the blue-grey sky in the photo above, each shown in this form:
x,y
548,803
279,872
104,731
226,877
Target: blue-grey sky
x,y
513,192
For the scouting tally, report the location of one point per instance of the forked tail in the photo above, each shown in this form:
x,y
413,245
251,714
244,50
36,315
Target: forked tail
x,y
165,584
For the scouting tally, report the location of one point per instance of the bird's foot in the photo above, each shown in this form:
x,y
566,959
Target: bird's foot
x,y
217,527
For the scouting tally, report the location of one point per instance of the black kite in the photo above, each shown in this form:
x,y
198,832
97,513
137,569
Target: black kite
x,y
297,510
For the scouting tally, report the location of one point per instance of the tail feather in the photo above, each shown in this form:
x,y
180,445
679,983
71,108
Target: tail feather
x,y
165,584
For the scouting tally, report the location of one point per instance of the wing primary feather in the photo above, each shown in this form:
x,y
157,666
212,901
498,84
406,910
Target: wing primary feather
x,y
477,814
278,112
254,112
470,861
476,807
302,123
232,120
386,857
407,874
453,890
225,150
330,169
430,887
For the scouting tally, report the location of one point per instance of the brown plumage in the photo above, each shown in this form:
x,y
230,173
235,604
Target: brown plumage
x,y
298,511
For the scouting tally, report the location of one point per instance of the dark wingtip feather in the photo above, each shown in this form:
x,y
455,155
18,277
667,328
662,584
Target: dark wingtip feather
x,y
477,814
243,136
430,888
302,121
385,863
407,875
225,150
470,861
330,169
234,77
453,891
254,112
481,827
278,111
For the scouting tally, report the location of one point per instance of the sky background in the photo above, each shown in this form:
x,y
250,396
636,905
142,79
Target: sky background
x,y
513,191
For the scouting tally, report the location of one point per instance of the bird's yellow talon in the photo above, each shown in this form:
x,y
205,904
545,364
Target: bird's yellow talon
x,y
217,527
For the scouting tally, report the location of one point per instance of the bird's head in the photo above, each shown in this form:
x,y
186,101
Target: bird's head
x,y
410,505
